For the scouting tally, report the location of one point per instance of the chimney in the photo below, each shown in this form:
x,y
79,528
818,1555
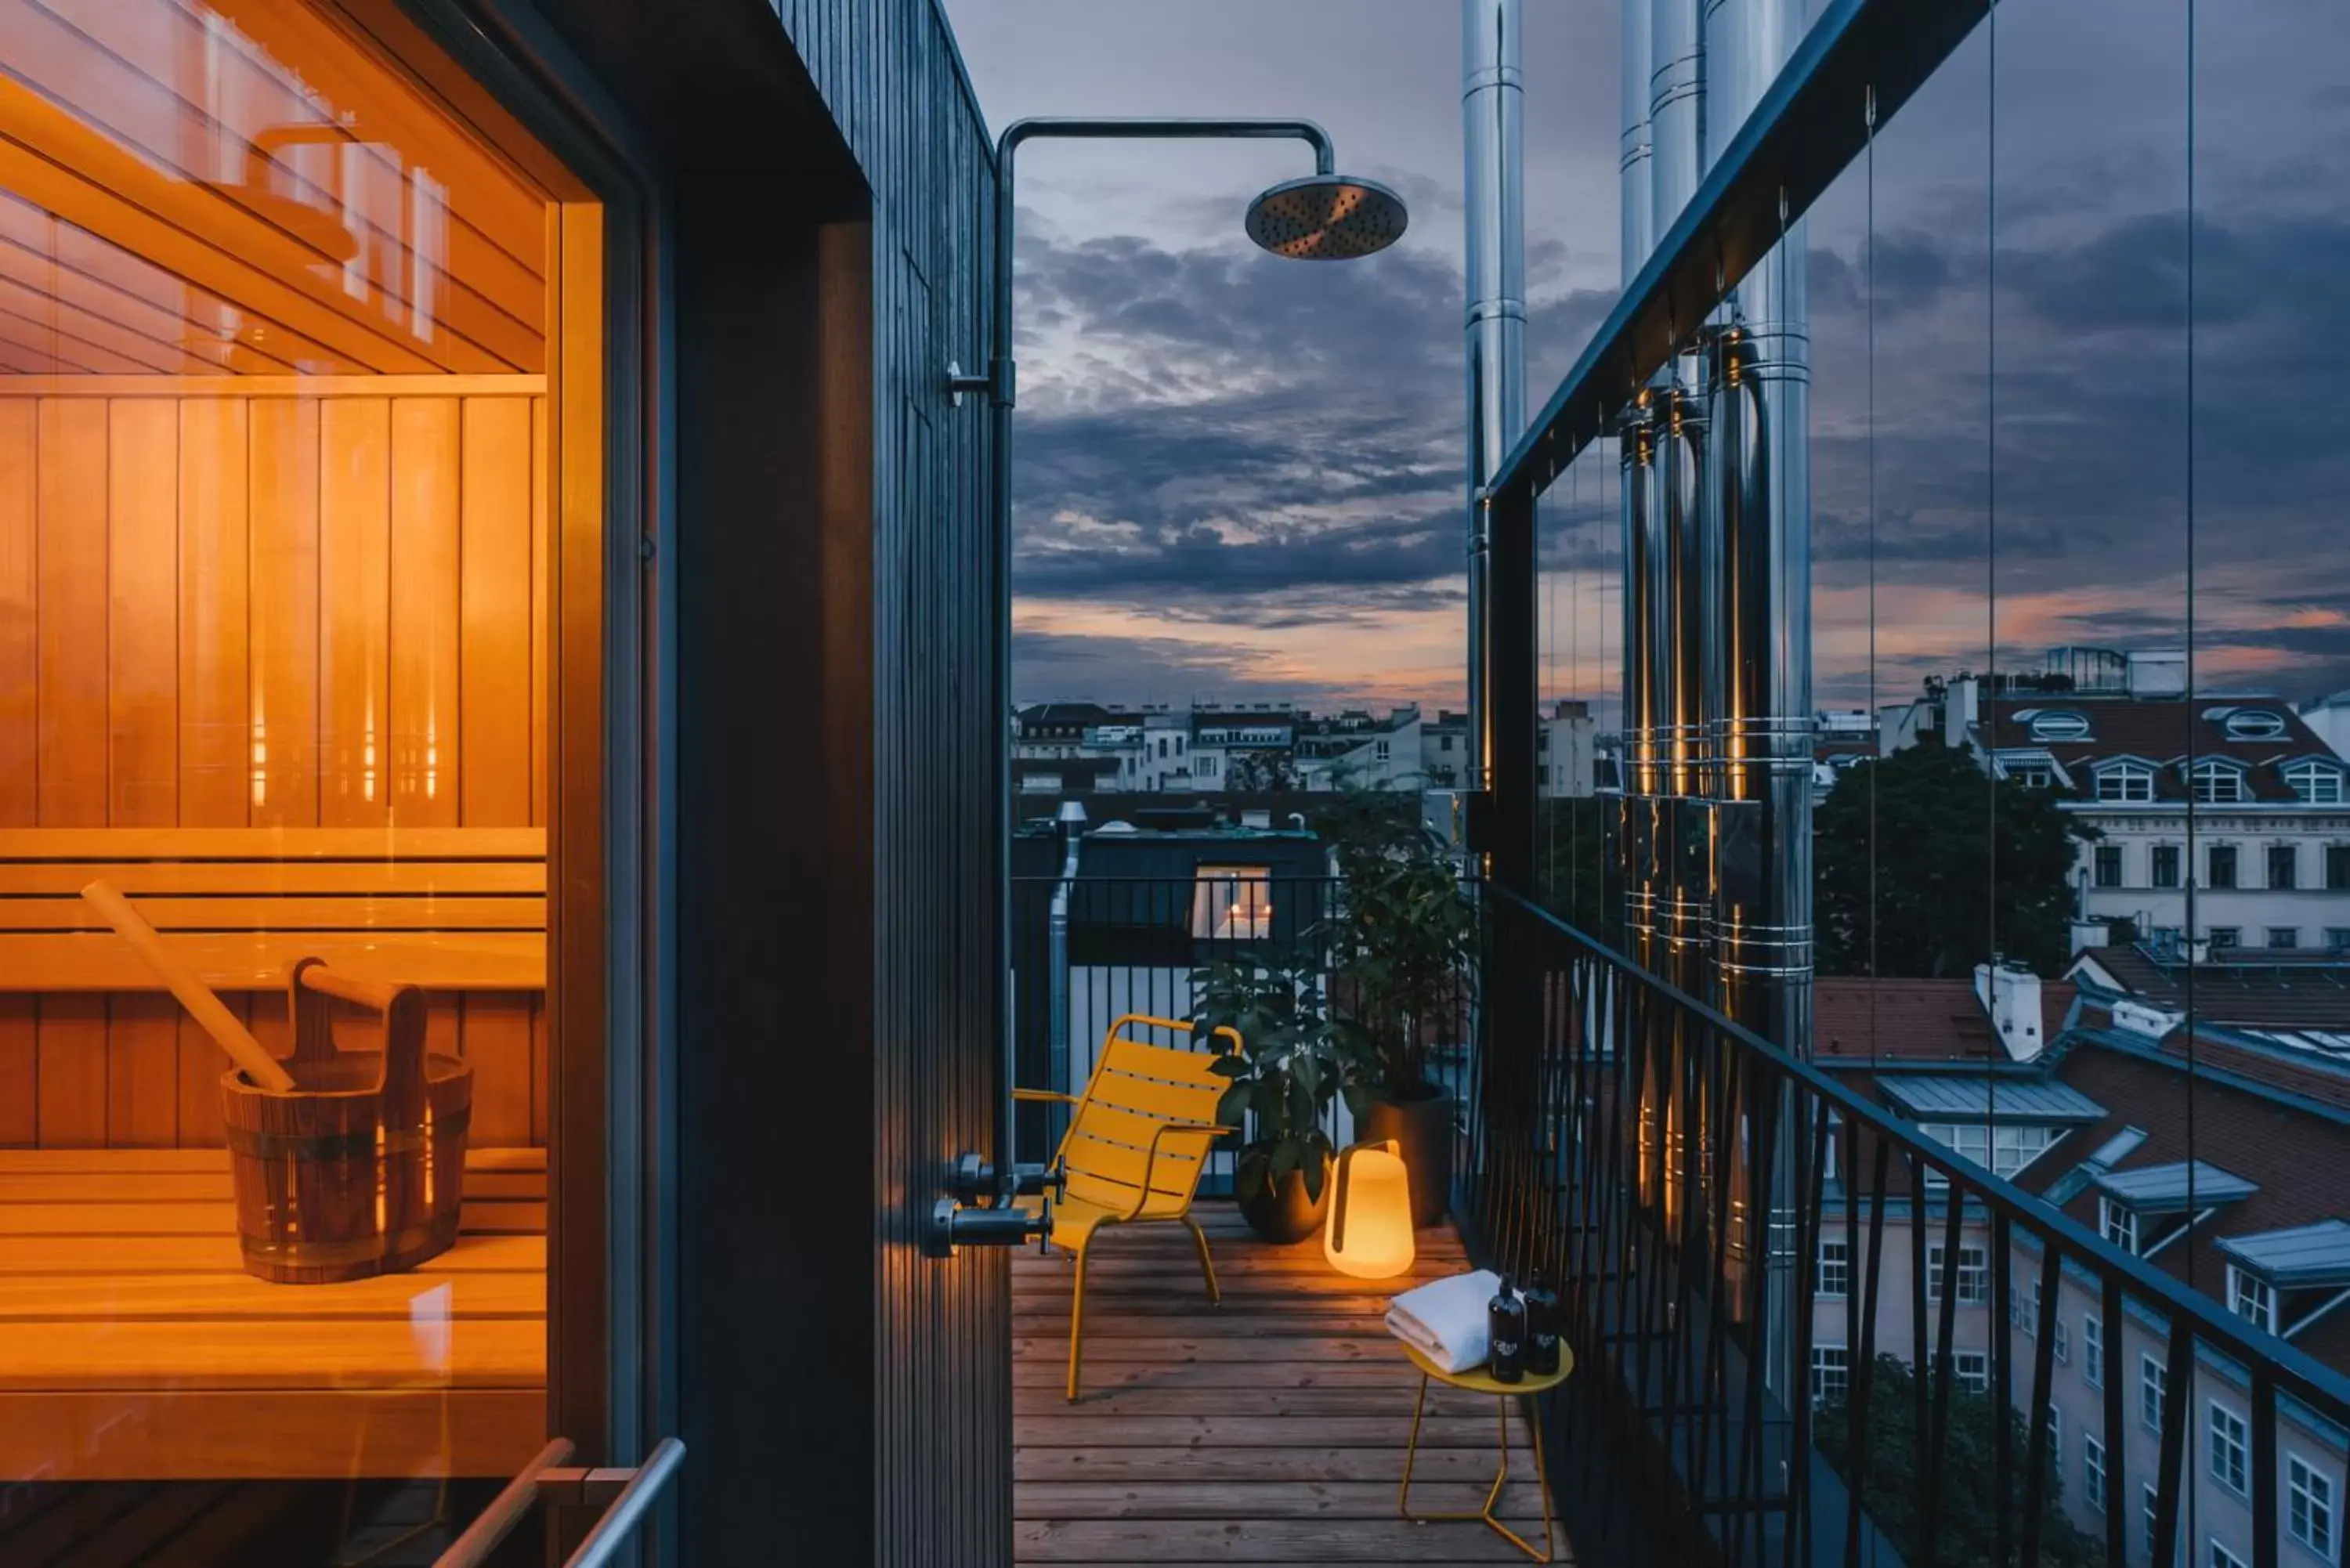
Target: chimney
x,y
1958,710
2011,994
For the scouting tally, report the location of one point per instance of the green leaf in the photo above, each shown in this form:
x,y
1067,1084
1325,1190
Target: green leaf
x,y
1228,1066
1234,1103
1359,1099
1284,1159
1315,1169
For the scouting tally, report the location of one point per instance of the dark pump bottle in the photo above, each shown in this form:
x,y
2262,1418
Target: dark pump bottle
x,y
1542,1328
1505,1325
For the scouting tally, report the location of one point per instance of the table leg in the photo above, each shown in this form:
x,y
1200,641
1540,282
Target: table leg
x,y
1485,1515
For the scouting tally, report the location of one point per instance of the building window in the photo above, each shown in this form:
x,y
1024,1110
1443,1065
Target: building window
x,y
1380,751
2222,862
2093,1350
1973,1370
2219,783
2316,783
2064,1345
2223,1558
2146,1512
1834,1275
1444,742
2309,1506
1231,903
2153,1383
2125,782
2285,866
2056,1439
2059,724
2033,773
2002,1150
2337,867
2093,1472
2031,1312
2284,936
2166,866
2230,1447
2226,937
1831,1374
2109,865
2119,1224
1974,1276
2338,938
2254,724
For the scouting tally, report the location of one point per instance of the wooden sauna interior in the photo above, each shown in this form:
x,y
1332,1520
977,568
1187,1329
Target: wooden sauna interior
x,y
275,333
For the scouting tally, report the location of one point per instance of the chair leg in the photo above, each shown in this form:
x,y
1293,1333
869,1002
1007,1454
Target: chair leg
x,y
1078,1320
1207,1265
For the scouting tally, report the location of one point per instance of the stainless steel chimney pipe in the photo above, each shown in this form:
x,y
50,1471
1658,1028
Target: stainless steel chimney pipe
x,y
1492,143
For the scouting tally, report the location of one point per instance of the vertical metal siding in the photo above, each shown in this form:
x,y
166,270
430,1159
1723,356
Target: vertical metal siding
x,y
889,72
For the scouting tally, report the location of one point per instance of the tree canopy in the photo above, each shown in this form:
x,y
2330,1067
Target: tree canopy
x,y
1960,870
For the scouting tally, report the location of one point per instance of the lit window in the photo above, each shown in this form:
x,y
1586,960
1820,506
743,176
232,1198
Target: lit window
x,y
1974,1276
2118,1223
1831,1374
1231,903
2153,1384
2125,782
2315,784
2093,1350
1833,1276
2219,783
1973,1370
2229,1445
2093,1472
2309,1506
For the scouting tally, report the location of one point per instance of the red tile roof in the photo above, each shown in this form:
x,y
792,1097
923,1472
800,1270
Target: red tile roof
x,y
1916,1020
2157,732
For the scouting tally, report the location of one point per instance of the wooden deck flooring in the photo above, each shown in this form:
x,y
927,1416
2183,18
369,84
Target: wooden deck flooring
x,y
1271,1430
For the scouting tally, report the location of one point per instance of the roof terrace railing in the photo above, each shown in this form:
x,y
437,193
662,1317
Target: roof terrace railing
x,y
1620,1135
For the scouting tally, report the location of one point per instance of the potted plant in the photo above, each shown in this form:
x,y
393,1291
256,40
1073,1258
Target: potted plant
x,y
1293,1057
1401,941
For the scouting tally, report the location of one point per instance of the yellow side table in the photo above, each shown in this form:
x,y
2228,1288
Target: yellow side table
x,y
1477,1381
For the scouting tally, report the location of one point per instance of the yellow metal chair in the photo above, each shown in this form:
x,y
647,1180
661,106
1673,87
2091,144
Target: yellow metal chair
x,y
1138,1140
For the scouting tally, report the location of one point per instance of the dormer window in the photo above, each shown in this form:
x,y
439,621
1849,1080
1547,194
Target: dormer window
x,y
2252,1298
2058,724
2218,783
2146,1209
2254,724
2283,1281
2314,782
2125,782
2029,770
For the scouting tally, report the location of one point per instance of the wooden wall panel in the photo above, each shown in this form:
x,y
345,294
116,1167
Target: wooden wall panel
x,y
19,719
275,610
354,610
142,497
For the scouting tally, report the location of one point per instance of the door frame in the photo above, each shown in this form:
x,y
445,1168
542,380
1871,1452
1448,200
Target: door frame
x,y
501,69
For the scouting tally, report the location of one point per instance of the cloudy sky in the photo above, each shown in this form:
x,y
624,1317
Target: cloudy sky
x,y
1240,477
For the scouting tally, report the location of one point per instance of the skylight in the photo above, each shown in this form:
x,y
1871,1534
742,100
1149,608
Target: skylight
x,y
2059,724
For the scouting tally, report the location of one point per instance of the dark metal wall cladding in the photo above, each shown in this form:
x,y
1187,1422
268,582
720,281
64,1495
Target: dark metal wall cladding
x,y
890,74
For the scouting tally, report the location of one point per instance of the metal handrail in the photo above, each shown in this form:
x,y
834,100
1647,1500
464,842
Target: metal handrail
x,y
493,1523
2302,1374
619,1521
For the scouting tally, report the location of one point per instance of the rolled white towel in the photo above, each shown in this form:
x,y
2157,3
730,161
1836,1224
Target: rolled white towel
x,y
1445,1321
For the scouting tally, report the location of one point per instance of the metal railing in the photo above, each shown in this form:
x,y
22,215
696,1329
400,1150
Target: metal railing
x,y
1086,951
626,1494
1620,1135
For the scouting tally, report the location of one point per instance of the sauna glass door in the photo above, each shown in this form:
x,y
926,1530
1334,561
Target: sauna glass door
x,y
280,421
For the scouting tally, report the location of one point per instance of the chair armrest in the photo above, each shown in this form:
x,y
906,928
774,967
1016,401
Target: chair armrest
x,y
1150,1164
1045,1094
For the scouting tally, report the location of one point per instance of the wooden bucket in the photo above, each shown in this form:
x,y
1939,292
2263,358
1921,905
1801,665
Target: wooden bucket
x,y
358,1170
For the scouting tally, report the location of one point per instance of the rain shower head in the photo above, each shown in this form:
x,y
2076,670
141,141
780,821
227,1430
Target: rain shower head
x,y
1327,217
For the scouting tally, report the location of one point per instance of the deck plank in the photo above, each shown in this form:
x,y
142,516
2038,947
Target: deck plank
x,y
1270,1428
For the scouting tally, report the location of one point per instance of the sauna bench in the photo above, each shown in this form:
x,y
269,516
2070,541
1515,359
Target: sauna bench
x,y
134,1347
450,909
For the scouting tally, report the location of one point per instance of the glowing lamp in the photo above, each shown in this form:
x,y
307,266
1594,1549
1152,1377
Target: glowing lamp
x,y
1369,1233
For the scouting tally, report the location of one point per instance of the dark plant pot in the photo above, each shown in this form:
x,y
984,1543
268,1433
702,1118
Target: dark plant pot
x,y
1423,1130
1284,1212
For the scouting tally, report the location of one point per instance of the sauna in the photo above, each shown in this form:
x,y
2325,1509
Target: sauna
x,y
290,351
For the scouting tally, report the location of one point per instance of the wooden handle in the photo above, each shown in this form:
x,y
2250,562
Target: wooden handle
x,y
195,994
